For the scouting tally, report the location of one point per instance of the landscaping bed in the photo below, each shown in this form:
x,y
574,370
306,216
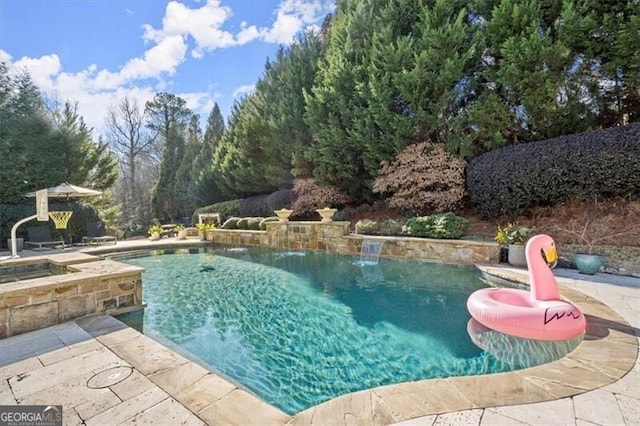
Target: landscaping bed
x,y
617,217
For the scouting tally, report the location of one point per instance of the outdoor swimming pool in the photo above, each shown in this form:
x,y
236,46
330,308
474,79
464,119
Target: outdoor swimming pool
x,y
298,329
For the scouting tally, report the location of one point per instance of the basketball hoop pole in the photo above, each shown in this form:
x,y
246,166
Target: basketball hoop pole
x,y
14,242
42,209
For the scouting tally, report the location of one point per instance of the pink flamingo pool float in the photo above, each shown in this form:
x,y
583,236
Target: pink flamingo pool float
x,y
537,314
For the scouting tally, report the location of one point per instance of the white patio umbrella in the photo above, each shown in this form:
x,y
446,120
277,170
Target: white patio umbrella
x,y
66,190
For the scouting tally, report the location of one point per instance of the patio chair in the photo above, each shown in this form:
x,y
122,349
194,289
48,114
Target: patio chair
x,y
96,234
40,236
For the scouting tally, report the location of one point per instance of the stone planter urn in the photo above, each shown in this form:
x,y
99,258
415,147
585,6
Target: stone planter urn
x,y
154,236
283,215
326,214
209,234
182,234
516,256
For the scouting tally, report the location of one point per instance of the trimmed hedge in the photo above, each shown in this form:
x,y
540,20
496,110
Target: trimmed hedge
x,y
256,206
248,223
263,222
606,163
371,227
265,205
282,199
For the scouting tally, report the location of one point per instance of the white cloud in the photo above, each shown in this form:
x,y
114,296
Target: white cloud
x,y
242,90
4,56
247,33
200,29
94,91
41,69
164,57
205,24
284,29
293,16
308,11
199,101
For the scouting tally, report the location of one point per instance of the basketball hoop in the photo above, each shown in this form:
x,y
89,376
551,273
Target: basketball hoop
x,y
60,219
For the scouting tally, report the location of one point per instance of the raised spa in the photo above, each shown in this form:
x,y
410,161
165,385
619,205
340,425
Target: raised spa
x,y
30,270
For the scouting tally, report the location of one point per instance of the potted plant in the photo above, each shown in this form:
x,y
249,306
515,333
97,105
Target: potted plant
x,y
587,261
202,229
514,236
209,231
181,232
155,231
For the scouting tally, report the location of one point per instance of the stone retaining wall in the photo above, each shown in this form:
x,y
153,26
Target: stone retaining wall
x,y
334,237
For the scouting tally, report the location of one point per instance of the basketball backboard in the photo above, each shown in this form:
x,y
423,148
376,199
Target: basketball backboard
x,y
42,205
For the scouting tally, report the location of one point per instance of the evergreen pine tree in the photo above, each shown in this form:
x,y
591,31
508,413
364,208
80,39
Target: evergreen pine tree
x,y
267,135
168,116
207,188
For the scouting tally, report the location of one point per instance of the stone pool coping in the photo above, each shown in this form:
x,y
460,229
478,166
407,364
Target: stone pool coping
x,y
609,351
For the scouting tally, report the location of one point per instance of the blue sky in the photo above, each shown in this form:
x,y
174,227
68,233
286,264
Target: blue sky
x,y
96,52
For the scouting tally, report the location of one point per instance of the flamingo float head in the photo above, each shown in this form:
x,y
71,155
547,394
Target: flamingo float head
x,y
541,254
545,246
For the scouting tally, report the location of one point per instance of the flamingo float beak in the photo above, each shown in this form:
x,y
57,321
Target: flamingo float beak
x,y
550,255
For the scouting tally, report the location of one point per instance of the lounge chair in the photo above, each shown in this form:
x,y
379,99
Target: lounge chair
x,y
40,236
96,234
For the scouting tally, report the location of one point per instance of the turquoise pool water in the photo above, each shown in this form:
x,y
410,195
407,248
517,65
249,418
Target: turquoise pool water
x,y
298,329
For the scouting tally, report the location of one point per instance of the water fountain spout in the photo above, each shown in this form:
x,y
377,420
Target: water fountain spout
x,y
370,251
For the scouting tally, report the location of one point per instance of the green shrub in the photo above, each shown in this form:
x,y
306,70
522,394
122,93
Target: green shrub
x,y
367,226
9,215
253,223
371,227
445,225
231,223
204,227
602,163
243,223
263,222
